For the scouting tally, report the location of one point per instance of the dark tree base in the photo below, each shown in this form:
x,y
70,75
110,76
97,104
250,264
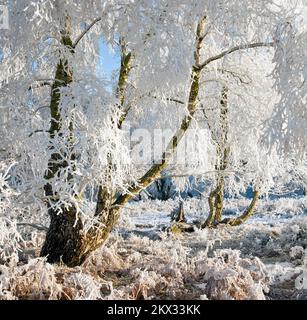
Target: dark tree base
x,y
64,240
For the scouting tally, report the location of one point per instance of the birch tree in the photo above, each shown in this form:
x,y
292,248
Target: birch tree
x,y
66,131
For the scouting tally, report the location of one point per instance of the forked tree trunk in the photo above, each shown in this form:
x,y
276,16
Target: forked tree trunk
x,y
67,242
216,197
216,204
66,239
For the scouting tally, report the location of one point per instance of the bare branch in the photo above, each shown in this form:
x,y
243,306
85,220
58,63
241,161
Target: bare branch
x,y
237,75
33,225
37,131
40,108
40,85
195,174
167,99
89,27
234,49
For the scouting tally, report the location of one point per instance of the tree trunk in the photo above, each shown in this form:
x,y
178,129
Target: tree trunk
x,y
67,242
216,204
216,197
177,215
209,221
219,200
66,239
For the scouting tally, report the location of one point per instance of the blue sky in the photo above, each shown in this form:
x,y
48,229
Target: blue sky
x,y
109,60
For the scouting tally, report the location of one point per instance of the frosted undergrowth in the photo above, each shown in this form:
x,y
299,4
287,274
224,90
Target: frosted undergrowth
x,y
34,280
229,276
10,240
10,237
139,268
257,260
169,269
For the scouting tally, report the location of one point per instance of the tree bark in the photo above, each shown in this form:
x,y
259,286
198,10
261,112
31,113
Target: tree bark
x,y
155,171
66,239
247,213
216,204
216,197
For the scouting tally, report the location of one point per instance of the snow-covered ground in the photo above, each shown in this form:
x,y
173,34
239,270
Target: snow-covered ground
x,y
265,258
277,234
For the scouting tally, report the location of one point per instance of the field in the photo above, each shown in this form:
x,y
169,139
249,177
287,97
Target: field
x,y
263,259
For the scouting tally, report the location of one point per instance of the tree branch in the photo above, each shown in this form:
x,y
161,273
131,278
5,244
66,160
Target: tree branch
x,y
125,68
40,108
247,213
195,174
38,131
126,111
39,85
39,227
106,194
237,75
155,171
123,116
234,49
167,99
89,27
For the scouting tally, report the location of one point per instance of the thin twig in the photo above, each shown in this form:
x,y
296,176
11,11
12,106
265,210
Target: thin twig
x,y
40,85
89,27
37,131
167,99
33,225
184,175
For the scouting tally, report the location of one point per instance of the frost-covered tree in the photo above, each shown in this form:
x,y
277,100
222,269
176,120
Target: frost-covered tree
x,y
67,133
241,98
